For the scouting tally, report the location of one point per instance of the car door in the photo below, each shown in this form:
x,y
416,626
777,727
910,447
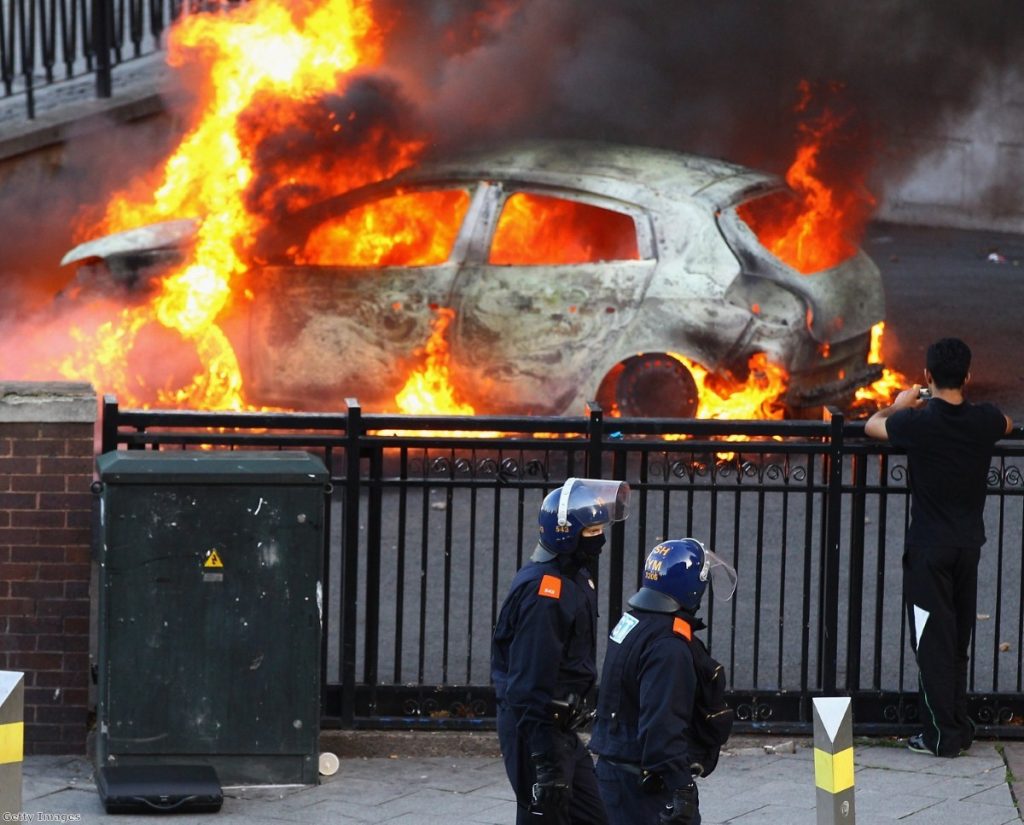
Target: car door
x,y
554,279
351,312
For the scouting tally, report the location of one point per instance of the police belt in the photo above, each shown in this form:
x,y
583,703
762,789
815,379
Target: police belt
x,y
649,782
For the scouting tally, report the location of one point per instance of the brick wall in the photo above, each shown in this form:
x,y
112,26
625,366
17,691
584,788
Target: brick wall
x,y
47,449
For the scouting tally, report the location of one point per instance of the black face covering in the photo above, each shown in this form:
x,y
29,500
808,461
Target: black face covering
x,y
590,546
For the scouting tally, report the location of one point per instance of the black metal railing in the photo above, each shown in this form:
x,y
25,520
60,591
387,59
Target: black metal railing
x,y
43,42
431,516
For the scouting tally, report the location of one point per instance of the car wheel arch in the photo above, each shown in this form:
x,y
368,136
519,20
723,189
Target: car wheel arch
x,y
652,384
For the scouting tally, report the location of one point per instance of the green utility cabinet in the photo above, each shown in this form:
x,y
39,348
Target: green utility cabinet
x,y
209,612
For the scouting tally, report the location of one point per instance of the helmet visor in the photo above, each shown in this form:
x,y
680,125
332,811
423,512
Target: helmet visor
x,y
720,574
604,501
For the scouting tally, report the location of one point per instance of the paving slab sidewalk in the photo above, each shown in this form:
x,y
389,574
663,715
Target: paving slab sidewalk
x,y
758,782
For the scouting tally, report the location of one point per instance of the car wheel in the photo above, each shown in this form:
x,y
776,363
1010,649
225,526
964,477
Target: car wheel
x,y
656,385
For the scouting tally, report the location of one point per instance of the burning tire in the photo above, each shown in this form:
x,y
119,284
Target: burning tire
x,y
655,385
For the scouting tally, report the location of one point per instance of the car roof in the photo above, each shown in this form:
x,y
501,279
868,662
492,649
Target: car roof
x,y
645,173
642,175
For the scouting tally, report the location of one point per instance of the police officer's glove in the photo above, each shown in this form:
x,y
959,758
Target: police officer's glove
x,y
551,790
683,810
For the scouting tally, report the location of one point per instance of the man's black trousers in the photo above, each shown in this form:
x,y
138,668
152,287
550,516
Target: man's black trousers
x,y
940,590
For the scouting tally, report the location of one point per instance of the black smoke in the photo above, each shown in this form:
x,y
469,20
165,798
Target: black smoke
x,y
717,78
313,149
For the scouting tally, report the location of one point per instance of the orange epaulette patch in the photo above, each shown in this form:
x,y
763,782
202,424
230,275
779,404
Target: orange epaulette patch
x,y
681,627
550,586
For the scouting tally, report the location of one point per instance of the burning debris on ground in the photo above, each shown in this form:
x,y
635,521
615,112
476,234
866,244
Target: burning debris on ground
x,y
300,104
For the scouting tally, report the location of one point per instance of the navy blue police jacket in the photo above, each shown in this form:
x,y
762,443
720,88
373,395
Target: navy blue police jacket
x,y
545,645
646,697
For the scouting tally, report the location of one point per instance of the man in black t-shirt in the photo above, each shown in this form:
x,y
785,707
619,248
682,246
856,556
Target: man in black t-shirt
x,y
949,447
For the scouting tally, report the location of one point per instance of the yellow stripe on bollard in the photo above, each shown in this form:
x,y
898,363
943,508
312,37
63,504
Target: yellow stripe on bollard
x,y
12,742
833,773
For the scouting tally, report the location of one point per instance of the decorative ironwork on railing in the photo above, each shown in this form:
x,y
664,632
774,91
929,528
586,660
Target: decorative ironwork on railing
x,y
43,42
429,523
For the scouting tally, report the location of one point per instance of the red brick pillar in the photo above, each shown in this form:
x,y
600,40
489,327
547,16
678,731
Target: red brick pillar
x,y
47,448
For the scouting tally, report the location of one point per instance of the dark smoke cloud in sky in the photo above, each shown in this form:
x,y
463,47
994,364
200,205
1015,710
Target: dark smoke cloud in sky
x,y
717,78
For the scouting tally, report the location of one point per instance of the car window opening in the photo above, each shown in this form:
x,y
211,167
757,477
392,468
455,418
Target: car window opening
x,y
416,228
808,240
543,230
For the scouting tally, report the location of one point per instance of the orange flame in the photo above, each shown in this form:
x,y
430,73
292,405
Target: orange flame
x,y
757,397
100,356
299,51
428,391
885,388
537,229
266,55
407,229
822,226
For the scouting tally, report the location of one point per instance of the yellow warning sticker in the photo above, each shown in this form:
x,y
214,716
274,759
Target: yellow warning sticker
x,y
212,559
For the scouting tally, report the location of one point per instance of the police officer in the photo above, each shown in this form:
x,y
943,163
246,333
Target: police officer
x,y
543,656
653,731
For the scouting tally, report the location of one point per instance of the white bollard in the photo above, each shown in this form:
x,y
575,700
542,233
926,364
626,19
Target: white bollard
x,y
12,741
833,760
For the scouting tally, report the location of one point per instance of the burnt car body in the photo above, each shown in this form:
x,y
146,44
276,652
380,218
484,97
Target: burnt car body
x,y
668,268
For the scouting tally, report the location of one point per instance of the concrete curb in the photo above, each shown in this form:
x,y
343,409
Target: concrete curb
x,y
401,744
376,744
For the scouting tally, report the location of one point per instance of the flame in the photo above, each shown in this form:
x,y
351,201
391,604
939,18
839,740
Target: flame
x,y
757,397
820,228
428,390
885,388
259,51
99,358
259,65
407,229
822,225
536,229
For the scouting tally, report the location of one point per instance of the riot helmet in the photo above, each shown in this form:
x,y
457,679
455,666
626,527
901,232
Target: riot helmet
x,y
677,573
576,505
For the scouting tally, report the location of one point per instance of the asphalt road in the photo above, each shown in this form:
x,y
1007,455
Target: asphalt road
x,y
939,282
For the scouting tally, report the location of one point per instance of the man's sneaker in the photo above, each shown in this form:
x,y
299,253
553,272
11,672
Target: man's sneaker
x,y
917,745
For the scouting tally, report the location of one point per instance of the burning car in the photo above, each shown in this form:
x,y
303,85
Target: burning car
x,y
568,271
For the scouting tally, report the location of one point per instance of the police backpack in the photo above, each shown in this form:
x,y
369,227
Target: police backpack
x,y
712,717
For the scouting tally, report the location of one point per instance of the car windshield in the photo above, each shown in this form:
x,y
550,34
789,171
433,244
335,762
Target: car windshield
x,y
544,230
413,228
